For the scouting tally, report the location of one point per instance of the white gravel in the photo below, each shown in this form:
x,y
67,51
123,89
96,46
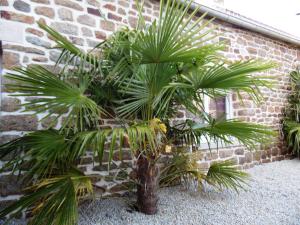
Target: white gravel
x,y
271,199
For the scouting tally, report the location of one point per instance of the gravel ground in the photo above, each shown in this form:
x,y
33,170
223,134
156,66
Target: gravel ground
x,y
271,199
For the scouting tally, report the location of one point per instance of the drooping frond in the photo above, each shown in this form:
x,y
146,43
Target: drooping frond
x,y
142,137
226,131
216,79
180,167
45,152
53,201
183,168
224,175
54,96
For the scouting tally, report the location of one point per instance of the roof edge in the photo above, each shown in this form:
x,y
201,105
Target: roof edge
x,y
250,24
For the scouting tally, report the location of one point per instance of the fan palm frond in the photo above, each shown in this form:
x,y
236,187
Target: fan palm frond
x,y
55,96
226,131
175,37
142,137
292,130
148,92
219,79
45,151
225,175
53,201
72,55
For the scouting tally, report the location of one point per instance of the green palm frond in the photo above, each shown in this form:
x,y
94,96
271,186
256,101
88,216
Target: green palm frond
x,y
291,125
148,92
292,130
45,151
180,166
225,175
175,37
72,55
138,137
221,175
226,131
53,201
55,96
219,79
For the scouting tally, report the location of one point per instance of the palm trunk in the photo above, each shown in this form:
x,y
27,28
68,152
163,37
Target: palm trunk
x,y
147,175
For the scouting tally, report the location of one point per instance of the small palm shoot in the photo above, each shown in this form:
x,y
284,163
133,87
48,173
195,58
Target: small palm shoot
x,y
291,123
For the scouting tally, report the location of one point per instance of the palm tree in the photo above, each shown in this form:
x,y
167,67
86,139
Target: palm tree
x,y
139,77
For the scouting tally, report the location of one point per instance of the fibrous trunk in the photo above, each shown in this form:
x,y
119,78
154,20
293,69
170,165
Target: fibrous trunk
x,y
147,174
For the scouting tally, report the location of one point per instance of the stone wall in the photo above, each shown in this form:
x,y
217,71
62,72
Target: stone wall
x,y
83,23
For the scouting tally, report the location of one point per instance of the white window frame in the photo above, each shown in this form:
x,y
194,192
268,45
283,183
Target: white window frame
x,y
228,105
229,115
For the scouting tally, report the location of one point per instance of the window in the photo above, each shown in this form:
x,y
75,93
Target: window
x,y
219,107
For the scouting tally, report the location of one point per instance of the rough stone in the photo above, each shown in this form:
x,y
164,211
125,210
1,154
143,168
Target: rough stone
x,y
239,151
54,55
77,40
257,155
18,122
100,35
16,17
10,104
6,203
86,160
39,59
242,160
203,166
95,12
65,14
107,25
7,138
24,49
104,167
133,21
92,43
10,185
252,50
86,20
225,153
10,60
86,32
49,122
110,7
95,3
45,11
41,1
211,155
35,32
69,4
126,155
37,41
4,84
119,187
21,6
121,11
3,3
65,28
113,16
124,3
